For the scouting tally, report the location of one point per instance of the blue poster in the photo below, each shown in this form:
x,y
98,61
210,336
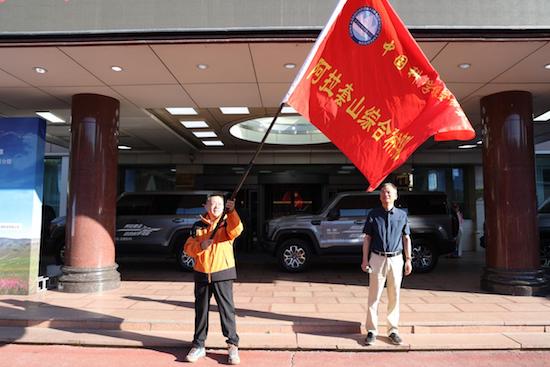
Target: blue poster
x,y
22,142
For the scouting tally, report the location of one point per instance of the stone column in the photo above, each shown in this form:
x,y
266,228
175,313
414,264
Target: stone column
x,y
511,231
90,252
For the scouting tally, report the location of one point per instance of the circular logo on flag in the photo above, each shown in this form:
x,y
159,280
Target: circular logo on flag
x,y
365,26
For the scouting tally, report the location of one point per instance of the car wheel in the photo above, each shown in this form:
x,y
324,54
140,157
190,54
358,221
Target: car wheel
x,y
185,262
294,255
424,258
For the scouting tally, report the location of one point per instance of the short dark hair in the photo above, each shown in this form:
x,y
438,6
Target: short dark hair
x,y
220,194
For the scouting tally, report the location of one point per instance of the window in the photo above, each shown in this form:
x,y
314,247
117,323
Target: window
x,y
191,204
356,205
545,209
423,204
139,179
52,185
135,205
282,200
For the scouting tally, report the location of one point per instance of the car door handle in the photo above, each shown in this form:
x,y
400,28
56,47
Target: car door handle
x,y
316,222
359,222
178,220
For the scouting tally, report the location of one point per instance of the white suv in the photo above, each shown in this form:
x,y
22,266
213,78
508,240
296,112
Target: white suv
x,y
338,229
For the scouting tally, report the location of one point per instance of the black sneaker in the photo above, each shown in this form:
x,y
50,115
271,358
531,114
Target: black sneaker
x,y
395,339
370,339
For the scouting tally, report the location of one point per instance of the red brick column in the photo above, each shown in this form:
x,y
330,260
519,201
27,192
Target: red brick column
x,y
90,252
511,232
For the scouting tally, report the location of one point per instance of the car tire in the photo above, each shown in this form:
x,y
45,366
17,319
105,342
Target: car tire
x,y
424,258
294,255
185,262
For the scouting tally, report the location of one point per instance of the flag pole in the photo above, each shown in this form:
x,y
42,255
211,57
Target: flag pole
x,y
245,175
249,168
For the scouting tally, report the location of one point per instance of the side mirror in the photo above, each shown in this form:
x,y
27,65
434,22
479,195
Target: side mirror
x,y
333,214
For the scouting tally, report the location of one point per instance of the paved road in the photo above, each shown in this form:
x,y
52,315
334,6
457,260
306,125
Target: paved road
x,y
68,356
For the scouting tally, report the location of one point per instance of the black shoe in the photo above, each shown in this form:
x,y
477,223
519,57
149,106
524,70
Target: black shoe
x,y
395,339
370,339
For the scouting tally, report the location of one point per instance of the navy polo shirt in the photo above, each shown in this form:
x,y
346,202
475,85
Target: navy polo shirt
x,y
386,229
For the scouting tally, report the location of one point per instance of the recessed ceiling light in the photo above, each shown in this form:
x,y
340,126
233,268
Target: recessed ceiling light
x,y
172,170
464,65
342,172
202,66
205,134
544,117
213,143
348,168
467,146
289,65
50,117
116,68
182,110
288,109
194,124
40,70
235,110
547,66
124,147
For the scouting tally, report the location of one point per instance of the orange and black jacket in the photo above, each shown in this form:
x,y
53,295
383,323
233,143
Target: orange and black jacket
x,y
217,262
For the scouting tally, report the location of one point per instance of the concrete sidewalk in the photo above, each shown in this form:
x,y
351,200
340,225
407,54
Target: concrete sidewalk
x,y
323,309
70,356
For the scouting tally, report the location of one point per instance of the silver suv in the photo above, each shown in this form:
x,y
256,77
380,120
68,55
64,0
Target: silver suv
x,y
155,223
338,229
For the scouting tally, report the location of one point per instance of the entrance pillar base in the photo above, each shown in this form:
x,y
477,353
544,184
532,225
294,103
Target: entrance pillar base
x,y
89,280
515,282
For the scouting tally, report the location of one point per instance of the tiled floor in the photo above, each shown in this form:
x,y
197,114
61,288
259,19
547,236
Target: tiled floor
x,y
323,307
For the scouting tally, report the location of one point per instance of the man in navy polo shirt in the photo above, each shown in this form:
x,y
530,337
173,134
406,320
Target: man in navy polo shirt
x,y
387,237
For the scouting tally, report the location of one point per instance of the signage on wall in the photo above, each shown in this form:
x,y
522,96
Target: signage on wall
x,y
21,183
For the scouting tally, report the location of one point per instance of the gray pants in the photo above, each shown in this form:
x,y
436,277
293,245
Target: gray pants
x,y
223,293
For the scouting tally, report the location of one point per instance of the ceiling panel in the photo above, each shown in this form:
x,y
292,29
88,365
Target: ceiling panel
x,y
62,71
163,139
488,59
270,59
128,109
58,130
29,99
66,93
541,93
227,63
273,93
473,110
225,95
132,123
6,80
238,74
7,110
462,90
431,49
530,70
140,64
156,96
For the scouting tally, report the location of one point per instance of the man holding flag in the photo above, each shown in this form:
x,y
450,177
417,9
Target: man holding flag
x,y
369,88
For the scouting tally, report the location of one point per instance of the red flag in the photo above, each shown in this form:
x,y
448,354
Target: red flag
x,y
369,88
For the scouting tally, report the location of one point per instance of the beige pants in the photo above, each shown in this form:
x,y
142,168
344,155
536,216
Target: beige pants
x,y
384,269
